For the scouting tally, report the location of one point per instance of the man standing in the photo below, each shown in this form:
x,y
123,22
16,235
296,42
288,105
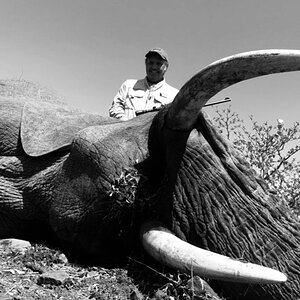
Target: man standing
x,y
150,93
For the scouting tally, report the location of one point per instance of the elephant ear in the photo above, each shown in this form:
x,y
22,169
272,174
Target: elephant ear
x,y
47,127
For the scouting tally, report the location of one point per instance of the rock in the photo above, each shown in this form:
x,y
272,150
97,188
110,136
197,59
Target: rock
x,y
199,287
53,278
161,295
63,259
34,267
14,245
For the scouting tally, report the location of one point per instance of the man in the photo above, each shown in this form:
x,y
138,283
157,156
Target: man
x,y
151,93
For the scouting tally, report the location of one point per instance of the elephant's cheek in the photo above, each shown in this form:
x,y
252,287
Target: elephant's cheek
x,y
74,200
78,216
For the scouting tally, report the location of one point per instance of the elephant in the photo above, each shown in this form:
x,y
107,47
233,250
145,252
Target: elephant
x,y
167,182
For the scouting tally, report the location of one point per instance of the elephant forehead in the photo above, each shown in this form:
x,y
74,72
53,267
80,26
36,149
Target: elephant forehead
x,y
93,134
112,147
47,127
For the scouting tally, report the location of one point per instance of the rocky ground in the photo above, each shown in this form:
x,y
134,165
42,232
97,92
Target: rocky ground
x,y
40,272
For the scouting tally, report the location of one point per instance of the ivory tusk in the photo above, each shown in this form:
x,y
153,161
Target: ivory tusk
x,y
183,112
169,250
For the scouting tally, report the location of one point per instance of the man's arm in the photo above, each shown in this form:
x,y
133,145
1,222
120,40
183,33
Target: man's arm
x,y
117,109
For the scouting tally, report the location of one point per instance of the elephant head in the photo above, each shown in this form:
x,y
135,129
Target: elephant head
x,y
62,169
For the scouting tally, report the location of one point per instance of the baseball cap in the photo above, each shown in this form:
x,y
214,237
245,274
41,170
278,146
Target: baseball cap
x,y
161,52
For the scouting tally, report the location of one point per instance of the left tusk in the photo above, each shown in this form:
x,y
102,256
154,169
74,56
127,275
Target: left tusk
x,y
184,110
169,250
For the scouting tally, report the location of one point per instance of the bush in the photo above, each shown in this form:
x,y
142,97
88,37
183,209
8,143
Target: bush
x,y
270,149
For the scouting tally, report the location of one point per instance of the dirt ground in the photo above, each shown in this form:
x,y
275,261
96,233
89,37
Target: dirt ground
x,y
41,273
44,273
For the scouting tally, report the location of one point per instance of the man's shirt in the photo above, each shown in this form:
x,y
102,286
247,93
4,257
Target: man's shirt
x,y
137,95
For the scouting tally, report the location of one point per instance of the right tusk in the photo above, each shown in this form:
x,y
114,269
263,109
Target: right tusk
x,y
169,250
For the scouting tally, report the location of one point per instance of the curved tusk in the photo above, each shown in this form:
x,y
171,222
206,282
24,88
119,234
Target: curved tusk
x,y
169,250
183,112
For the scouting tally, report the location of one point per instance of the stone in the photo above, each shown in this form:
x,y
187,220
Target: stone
x,y
161,295
63,259
14,245
53,278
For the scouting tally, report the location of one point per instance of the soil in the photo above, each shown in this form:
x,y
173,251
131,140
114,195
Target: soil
x,y
42,272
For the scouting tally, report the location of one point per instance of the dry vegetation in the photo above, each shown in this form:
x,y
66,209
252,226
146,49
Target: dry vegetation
x,y
44,273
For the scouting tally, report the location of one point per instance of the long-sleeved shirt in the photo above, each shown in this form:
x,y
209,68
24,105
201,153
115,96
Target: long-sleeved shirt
x,y
137,95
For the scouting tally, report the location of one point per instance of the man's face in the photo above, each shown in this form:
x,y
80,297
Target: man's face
x,y
156,68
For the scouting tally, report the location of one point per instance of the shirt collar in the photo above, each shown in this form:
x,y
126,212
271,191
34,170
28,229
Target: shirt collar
x,y
154,86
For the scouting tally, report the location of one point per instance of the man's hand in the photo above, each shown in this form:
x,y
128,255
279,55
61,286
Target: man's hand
x,y
123,118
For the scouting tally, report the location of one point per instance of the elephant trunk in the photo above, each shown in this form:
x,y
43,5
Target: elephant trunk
x,y
169,250
182,114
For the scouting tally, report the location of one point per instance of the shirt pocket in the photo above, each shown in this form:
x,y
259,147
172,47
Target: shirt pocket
x,y
137,99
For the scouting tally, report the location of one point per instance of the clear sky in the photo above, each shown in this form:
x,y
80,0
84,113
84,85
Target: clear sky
x,y
85,49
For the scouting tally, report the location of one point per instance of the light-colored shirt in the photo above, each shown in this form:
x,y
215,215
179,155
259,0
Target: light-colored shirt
x,y
137,95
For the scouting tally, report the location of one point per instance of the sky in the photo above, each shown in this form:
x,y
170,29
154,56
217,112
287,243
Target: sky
x,y
85,49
